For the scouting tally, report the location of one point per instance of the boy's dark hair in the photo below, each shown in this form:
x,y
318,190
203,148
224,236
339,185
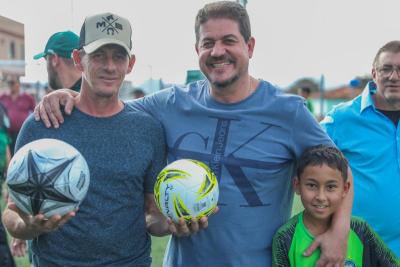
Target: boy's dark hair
x,y
323,154
227,10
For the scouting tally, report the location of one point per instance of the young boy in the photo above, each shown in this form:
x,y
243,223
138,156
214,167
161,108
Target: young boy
x,y
322,184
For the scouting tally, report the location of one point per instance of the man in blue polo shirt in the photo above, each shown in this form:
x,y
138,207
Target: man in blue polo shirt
x,y
367,131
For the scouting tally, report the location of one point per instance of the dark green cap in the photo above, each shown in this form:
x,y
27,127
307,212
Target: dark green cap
x,y
60,43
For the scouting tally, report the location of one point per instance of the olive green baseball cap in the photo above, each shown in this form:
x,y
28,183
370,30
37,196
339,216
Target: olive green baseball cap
x,y
60,43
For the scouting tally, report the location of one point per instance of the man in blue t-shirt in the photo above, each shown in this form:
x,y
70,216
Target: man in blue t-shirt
x,y
248,132
113,223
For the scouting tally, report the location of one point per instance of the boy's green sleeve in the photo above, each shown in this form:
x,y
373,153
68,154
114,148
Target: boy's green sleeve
x,y
280,253
376,253
381,254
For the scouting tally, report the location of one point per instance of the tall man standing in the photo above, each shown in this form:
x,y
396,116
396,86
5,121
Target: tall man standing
x,y
60,65
367,131
124,149
248,133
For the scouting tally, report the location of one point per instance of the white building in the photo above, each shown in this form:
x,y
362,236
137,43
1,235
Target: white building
x,y
12,48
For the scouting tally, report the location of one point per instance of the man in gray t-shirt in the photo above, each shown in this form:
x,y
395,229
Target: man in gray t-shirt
x,y
112,225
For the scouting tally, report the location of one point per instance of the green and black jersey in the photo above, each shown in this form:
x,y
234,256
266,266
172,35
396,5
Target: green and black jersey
x,y
365,248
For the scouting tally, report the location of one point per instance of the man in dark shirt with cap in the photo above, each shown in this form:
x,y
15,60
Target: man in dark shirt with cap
x,y
60,66
114,221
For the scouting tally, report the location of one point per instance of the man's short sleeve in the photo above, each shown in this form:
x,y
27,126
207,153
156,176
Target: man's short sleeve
x,y
158,159
328,124
376,253
306,131
280,252
155,104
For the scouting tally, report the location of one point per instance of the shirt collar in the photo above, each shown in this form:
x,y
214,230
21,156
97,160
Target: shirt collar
x,y
77,85
366,96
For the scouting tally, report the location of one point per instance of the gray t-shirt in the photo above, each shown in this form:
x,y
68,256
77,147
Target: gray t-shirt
x,y
124,152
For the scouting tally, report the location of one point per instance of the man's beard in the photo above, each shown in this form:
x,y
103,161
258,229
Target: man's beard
x,y
226,83
54,82
393,101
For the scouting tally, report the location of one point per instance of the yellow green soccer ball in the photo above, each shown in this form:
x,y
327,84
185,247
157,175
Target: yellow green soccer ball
x,y
186,189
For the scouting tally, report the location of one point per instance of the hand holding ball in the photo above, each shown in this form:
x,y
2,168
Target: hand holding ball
x,y
186,189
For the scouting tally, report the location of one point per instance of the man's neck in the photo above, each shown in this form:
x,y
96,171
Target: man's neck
x,y
69,78
316,226
98,106
383,104
14,94
236,92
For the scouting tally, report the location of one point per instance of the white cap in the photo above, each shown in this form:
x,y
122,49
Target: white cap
x,y
103,29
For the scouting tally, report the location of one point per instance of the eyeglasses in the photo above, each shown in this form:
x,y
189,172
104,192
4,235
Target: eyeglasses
x,y
387,71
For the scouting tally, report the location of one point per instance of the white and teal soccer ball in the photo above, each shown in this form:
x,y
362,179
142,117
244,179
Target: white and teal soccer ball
x,y
49,177
186,189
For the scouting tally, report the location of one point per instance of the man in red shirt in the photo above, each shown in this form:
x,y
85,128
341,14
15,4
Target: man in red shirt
x,y
18,105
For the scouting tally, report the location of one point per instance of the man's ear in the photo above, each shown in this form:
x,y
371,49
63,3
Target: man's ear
x,y
250,46
346,188
374,74
77,57
54,60
131,63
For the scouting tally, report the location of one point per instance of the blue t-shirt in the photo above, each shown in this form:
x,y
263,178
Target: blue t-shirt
x,y
252,147
371,143
124,153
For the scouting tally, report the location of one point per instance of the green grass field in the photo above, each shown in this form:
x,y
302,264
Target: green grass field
x,y
158,243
